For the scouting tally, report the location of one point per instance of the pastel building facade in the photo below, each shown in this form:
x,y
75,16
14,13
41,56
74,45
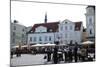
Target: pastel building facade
x,y
17,33
64,32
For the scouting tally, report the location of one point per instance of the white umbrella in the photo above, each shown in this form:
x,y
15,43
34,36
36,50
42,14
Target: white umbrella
x,y
88,42
37,45
15,46
24,46
49,44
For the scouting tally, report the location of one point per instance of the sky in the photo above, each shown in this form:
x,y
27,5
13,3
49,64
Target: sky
x,y
30,13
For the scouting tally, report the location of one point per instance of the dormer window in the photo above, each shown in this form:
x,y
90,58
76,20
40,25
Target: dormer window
x,y
70,27
65,22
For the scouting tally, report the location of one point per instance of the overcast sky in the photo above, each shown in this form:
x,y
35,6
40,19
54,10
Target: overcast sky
x,y
29,13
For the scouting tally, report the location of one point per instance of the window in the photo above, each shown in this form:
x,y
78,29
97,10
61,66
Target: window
x,y
31,39
23,30
61,35
13,40
90,31
34,39
22,35
65,22
90,20
49,38
70,27
14,27
45,38
65,35
71,42
40,39
14,34
65,27
61,28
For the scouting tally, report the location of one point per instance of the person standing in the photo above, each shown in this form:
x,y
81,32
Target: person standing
x,y
48,55
70,55
66,55
83,54
12,53
79,54
75,52
55,57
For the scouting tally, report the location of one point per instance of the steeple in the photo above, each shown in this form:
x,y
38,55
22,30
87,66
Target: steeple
x,y
45,20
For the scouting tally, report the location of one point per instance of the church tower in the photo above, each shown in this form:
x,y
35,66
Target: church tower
x,y
90,22
45,20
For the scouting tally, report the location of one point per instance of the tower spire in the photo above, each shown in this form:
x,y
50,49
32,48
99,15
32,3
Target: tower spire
x,y
45,20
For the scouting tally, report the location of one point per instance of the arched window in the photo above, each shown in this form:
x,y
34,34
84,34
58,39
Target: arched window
x,y
40,39
45,38
30,39
49,38
34,39
90,20
90,31
65,27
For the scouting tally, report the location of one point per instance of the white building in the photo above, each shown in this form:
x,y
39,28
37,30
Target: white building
x,y
43,33
70,32
63,32
90,22
18,33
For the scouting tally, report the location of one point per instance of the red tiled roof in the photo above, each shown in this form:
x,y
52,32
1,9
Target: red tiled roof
x,y
49,25
78,26
54,26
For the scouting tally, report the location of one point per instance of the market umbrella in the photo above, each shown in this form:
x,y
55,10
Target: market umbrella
x,y
87,42
48,44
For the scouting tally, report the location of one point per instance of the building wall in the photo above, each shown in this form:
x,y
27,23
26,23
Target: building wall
x,y
68,33
90,21
18,34
40,38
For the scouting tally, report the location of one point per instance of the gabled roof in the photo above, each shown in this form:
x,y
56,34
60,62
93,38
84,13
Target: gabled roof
x,y
49,25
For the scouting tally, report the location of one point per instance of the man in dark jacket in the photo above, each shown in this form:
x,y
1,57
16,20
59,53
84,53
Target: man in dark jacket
x,y
55,58
48,55
70,55
75,52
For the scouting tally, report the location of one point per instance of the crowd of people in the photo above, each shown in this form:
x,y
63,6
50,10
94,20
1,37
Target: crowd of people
x,y
59,53
68,54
